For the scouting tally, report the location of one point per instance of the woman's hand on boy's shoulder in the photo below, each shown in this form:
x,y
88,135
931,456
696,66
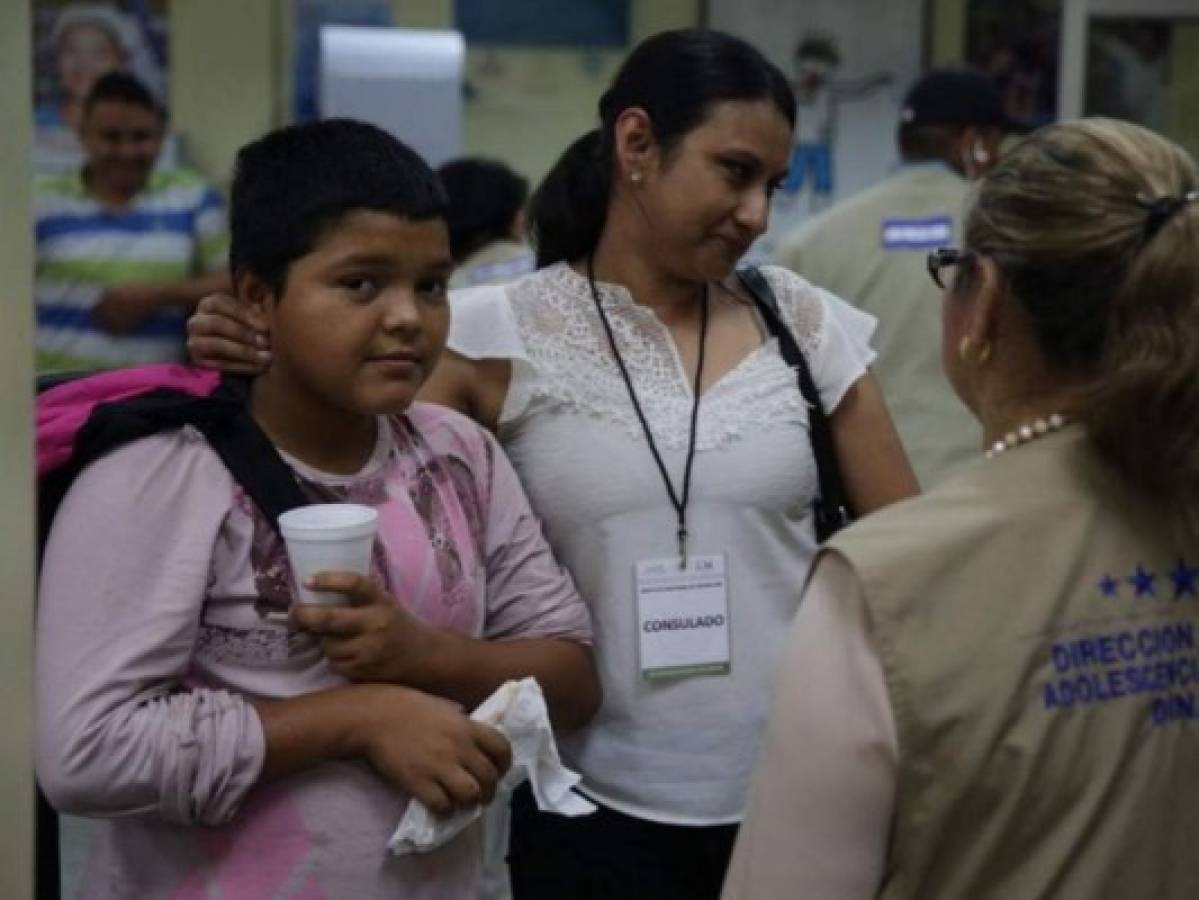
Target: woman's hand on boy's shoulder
x,y
221,336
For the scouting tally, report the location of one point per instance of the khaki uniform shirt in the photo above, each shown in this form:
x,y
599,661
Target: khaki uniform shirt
x,y
497,263
871,251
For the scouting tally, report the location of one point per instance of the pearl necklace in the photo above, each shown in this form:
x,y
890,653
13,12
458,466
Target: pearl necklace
x,y
1027,432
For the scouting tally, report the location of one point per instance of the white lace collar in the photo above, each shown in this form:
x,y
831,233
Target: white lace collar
x,y
573,369
612,296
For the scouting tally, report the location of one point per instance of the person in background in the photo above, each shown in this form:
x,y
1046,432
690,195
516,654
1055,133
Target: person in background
x,y
487,221
232,754
123,251
665,444
990,689
86,41
870,250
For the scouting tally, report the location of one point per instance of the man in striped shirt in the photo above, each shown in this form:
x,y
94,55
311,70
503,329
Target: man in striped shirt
x,y
124,251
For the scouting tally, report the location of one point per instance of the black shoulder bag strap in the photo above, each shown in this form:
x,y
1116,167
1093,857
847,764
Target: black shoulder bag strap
x,y
831,509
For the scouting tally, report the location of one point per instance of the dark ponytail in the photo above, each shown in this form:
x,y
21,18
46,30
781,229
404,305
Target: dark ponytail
x,y
676,77
568,209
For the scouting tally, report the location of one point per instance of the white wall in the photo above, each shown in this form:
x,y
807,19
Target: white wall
x,y
231,72
530,102
227,80
16,458
873,36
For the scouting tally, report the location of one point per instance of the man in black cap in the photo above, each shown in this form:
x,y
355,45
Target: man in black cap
x,y
871,250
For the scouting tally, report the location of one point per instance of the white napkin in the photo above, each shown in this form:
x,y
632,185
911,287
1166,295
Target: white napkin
x,y
518,711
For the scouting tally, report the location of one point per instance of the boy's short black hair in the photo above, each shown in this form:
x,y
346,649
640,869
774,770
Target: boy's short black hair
x,y
124,88
295,182
485,198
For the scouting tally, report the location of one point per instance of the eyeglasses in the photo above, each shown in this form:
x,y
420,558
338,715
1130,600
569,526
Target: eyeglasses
x,y
944,258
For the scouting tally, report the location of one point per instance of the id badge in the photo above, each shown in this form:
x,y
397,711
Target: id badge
x,y
683,617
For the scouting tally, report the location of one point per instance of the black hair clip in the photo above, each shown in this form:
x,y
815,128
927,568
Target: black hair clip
x,y
1162,209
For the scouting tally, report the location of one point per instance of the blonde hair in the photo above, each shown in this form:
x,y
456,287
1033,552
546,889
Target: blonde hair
x,y
1110,282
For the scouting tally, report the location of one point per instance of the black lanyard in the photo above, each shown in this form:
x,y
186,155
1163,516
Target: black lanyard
x,y
680,505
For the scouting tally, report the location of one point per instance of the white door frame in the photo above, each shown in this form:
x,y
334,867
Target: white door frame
x,y
1076,19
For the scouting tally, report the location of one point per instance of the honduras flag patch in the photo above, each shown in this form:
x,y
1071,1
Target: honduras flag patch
x,y
917,234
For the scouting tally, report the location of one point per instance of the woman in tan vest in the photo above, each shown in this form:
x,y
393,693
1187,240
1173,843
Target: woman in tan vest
x,y
992,690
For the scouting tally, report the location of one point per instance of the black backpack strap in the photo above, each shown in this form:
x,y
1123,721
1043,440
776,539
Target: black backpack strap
x,y
832,509
249,455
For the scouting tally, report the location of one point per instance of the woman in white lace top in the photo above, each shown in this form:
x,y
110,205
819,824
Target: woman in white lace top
x,y
638,230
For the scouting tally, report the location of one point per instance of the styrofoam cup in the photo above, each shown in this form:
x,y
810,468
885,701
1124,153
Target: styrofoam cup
x,y
328,537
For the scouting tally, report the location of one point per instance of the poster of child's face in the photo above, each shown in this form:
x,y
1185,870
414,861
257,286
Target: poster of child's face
x,y
75,43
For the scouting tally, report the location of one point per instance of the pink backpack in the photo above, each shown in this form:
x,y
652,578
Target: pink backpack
x,y
65,406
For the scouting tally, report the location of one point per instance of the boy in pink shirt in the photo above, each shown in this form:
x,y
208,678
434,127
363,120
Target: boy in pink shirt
x,y
235,755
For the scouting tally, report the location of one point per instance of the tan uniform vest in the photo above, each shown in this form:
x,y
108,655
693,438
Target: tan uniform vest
x,y
1038,624
871,251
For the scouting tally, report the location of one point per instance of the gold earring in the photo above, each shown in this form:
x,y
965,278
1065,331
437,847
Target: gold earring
x,y
984,351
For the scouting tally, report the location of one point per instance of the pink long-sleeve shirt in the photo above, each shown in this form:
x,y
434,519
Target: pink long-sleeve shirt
x,y
152,642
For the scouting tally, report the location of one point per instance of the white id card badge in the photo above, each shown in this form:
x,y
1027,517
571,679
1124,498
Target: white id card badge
x,y
682,617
